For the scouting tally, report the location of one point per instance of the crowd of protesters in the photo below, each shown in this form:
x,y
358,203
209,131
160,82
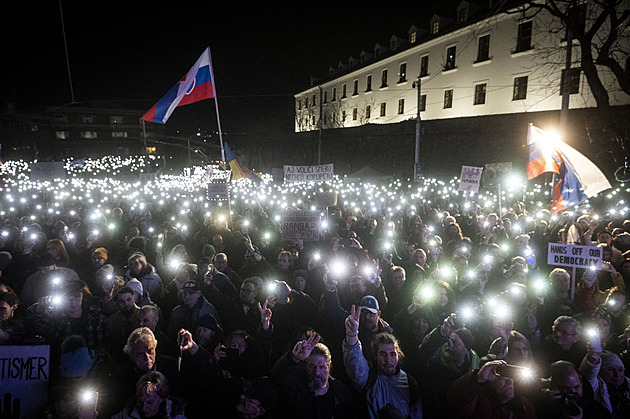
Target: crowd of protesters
x,y
439,309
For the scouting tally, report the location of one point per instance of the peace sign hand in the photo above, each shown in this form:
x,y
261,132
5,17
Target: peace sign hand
x,y
303,348
265,315
352,321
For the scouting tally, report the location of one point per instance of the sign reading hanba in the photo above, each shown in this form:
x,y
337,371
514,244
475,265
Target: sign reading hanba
x,y
302,225
321,173
574,255
470,178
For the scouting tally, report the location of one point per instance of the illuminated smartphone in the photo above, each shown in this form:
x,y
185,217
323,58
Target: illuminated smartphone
x,y
88,403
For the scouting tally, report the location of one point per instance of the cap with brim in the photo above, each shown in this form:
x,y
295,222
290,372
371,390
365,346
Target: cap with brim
x,y
369,303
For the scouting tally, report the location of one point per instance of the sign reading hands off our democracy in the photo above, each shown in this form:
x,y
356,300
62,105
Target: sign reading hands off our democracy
x,y
321,173
574,255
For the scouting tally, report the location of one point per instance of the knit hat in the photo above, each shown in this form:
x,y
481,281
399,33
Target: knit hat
x,y
208,250
77,363
100,252
466,337
610,359
369,303
135,285
208,321
105,272
261,389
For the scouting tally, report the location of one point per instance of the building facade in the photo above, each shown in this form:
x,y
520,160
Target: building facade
x,y
86,130
481,59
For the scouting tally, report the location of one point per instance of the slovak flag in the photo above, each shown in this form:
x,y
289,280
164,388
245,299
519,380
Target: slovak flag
x,y
578,177
196,85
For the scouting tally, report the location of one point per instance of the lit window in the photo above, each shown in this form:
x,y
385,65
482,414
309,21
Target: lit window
x,y
435,27
450,58
402,73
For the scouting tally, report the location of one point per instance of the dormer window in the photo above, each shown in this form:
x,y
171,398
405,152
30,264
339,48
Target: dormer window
x,y
435,27
462,13
393,43
413,37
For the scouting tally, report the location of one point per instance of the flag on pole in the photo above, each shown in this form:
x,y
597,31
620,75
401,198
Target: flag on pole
x,y
541,154
578,177
239,171
196,85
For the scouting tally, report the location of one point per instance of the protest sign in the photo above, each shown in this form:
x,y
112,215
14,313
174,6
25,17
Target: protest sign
x,y
321,173
302,225
573,255
48,170
24,372
470,178
217,190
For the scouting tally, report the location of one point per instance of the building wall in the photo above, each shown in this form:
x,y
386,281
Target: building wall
x,y
542,65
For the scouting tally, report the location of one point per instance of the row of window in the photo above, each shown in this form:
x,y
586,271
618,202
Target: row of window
x,y
88,119
88,135
519,92
523,43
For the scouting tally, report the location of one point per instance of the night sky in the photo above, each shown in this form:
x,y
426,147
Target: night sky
x,y
132,52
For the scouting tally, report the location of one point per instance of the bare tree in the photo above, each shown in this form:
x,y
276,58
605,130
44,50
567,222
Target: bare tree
x,y
600,28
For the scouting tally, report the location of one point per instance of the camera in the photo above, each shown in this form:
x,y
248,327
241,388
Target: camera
x,y
230,352
568,400
514,371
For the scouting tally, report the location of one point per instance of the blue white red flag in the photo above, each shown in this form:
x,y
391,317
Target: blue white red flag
x,y
578,177
196,85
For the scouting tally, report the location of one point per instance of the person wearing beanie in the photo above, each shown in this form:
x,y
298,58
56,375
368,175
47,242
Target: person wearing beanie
x,y
76,360
612,372
447,354
99,257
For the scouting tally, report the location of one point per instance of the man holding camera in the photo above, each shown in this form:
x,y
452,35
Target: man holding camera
x,y
490,393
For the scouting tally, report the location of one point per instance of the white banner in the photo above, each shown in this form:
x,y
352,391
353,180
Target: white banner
x,y
24,372
470,178
302,225
573,255
321,173
48,170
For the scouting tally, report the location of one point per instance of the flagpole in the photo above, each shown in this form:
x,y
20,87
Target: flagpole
x,y
216,106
